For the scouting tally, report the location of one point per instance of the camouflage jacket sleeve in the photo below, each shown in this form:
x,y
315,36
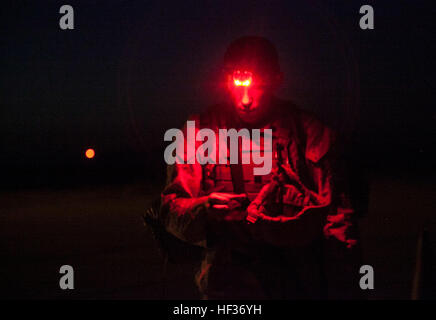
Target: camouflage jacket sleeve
x,y
330,179
182,210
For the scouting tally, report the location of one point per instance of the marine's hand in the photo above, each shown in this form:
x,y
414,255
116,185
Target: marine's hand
x,y
221,206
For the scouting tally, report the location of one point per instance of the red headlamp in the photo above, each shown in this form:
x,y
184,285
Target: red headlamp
x,y
242,79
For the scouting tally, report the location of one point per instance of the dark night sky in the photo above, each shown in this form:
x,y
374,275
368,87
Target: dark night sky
x,y
132,69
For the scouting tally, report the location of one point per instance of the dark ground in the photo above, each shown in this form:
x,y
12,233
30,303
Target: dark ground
x,y
98,230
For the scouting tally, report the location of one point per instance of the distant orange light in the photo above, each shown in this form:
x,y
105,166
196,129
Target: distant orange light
x,y
90,153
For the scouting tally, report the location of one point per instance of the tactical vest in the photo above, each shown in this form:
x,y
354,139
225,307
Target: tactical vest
x,y
290,142
221,177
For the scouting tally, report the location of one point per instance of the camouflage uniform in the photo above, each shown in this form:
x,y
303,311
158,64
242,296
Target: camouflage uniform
x,y
280,258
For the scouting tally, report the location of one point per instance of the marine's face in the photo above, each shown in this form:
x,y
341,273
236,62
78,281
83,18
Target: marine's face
x,y
249,94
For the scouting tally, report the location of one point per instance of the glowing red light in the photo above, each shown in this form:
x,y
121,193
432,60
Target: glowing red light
x,y
90,153
242,79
